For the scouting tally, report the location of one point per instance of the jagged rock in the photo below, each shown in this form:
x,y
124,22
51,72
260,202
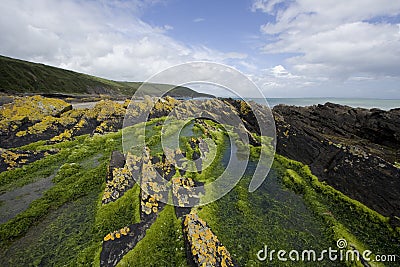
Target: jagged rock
x,y
114,250
375,131
204,248
352,149
230,112
117,161
17,158
154,190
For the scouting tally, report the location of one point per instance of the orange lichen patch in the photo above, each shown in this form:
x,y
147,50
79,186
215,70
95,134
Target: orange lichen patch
x,y
205,247
10,159
106,109
67,119
165,104
133,160
124,231
82,123
117,234
126,103
286,133
107,237
171,154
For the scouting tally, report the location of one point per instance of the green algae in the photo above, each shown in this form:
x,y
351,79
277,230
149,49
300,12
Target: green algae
x,y
163,244
291,210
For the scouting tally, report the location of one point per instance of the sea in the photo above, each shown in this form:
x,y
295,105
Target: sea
x,y
384,104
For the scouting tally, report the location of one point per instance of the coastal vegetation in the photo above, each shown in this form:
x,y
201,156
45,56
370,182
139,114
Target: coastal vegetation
x,y
93,210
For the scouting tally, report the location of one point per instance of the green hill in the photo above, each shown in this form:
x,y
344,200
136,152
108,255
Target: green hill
x,y
21,77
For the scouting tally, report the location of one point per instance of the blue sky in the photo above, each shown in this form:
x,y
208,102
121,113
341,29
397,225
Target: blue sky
x,y
210,23
296,48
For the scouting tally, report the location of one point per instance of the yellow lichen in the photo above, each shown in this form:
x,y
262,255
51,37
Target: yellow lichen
x,y
33,108
66,135
204,245
12,159
117,234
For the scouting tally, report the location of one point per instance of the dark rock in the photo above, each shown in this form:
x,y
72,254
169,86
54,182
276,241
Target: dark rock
x,y
65,109
114,250
117,161
18,158
352,149
376,131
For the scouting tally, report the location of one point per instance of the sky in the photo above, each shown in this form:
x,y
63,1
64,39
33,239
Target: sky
x,y
288,48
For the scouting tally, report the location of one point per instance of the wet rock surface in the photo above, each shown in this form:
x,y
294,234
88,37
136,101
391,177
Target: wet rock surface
x,y
19,199
351,149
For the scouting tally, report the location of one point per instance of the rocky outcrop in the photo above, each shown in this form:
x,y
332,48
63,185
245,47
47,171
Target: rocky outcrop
x,y
10,159
205,248
352,149
147,169
116,245
117,161
30,119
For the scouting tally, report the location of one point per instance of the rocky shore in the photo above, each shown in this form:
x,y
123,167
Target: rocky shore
x,y
333,164
354,150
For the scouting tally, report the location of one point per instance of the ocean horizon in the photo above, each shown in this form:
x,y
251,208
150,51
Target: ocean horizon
x,y
369,103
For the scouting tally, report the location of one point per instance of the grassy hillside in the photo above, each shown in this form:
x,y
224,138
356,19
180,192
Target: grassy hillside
x,y
18,76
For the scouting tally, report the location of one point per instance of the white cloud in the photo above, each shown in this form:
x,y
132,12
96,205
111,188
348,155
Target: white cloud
x,y
267,6
198,20
279,77
168,27
335,39
280,71
103,38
